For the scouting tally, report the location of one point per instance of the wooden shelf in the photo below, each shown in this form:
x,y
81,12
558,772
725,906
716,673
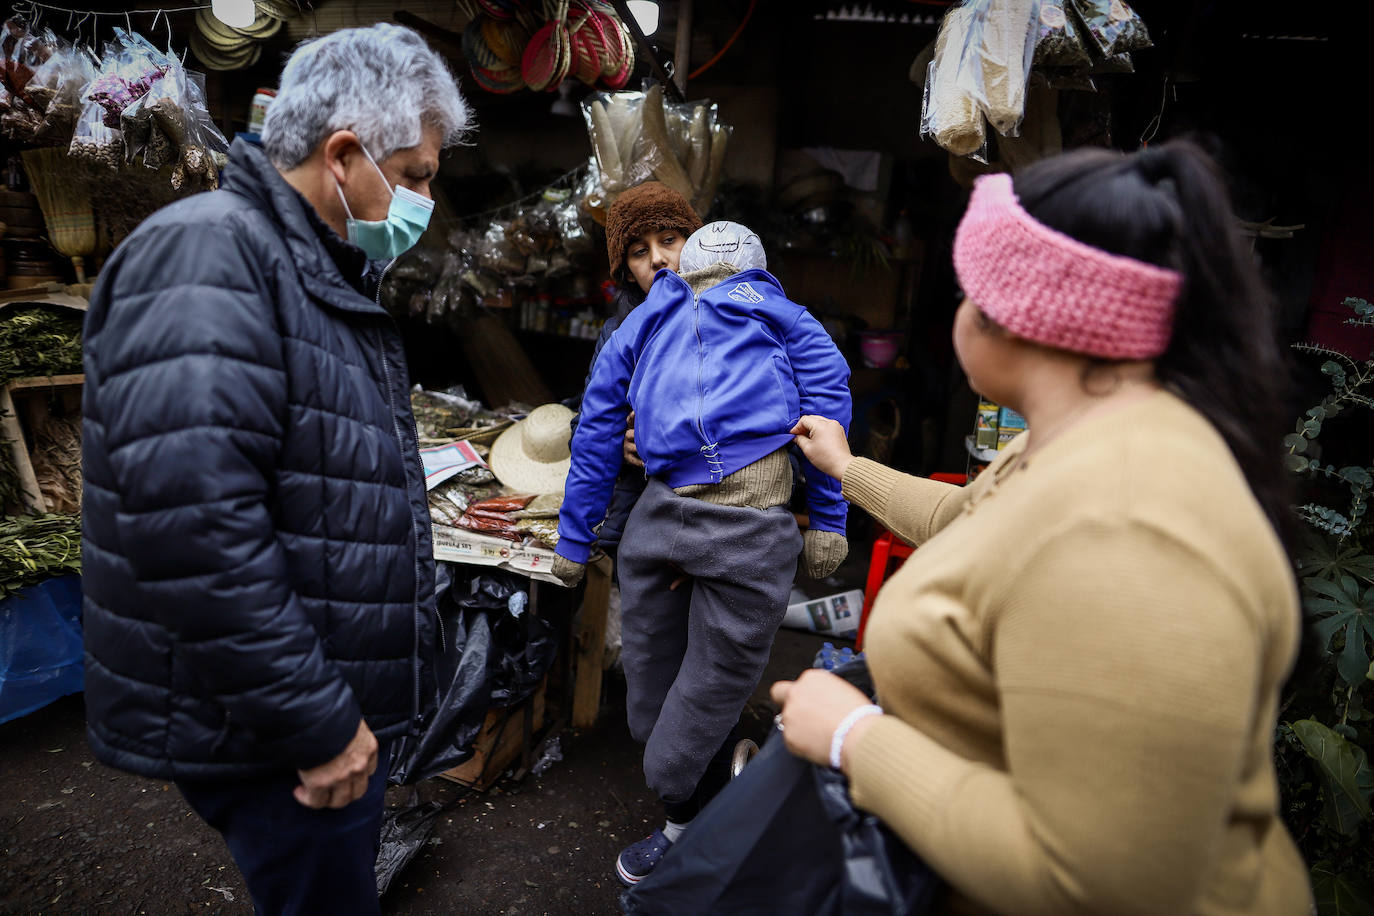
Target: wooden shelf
x,y
12,434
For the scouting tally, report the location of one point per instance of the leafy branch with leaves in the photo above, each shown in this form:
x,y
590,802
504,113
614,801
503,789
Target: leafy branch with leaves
x,y
1326,732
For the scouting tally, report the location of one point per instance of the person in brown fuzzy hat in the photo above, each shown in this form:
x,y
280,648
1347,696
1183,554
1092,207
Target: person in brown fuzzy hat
x,y
645,232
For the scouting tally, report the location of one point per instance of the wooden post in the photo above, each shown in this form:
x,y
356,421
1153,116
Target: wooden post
x,y
591,644
682,54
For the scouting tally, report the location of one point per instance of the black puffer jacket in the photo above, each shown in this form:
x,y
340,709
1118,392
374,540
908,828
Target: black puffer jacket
x,y
258,565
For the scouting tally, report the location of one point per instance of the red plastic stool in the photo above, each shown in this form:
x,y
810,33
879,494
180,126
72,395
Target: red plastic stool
x,y
888,554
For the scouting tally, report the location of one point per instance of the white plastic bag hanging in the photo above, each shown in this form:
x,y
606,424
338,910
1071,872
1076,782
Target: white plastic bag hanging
x,y
995,63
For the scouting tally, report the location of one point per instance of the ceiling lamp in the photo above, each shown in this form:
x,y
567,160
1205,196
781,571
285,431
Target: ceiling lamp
x,y
646,15
237,14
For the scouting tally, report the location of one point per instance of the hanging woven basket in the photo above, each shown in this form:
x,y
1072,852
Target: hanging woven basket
x,y
548,56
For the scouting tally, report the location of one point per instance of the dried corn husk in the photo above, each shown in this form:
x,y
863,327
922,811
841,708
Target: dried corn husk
x,y
720,142
669,170
698,147
606,146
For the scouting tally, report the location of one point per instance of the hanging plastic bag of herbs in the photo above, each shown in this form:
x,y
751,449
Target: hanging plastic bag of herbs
x,y
26,52
56,91
1059,40
1113,27
137,65
93,140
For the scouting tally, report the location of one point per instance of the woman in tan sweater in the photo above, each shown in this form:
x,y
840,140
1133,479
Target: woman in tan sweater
x,y
1079,668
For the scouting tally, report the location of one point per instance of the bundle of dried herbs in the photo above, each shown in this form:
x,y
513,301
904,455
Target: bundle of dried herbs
x,y
441,416
57,462
39,341
34,548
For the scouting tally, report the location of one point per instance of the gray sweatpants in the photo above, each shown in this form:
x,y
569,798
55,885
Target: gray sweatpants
x,y
695,654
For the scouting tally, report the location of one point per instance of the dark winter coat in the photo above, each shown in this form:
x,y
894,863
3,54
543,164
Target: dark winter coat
x,y
258,563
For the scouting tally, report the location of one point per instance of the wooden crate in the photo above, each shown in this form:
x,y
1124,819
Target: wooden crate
x,y
500,742
24,403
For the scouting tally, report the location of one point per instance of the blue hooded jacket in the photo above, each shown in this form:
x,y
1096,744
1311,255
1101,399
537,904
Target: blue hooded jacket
x,y
716,382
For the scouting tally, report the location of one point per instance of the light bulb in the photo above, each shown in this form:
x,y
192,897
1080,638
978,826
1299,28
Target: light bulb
x,y
646,15
237,14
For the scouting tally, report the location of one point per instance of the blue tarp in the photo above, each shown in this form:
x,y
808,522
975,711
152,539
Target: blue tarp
x,y
40,646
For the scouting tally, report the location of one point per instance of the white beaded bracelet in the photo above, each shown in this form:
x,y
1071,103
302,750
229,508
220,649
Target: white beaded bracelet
x,y
842,731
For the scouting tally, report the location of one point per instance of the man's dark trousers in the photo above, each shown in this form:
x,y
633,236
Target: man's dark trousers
x,y
297,860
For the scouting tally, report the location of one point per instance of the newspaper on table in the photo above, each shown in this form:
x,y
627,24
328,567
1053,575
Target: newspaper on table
x,y
457,545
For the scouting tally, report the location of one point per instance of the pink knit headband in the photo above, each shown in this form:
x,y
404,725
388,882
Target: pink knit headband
x,y
1047,287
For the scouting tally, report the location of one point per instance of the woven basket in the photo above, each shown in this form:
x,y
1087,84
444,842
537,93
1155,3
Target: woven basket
x,y
548,56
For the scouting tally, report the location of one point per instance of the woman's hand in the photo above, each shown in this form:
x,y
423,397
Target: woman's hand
x,y
812,708
824,444
631,453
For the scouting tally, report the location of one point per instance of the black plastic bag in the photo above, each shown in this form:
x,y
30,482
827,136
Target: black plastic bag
x,y
491,652
404,833
783,837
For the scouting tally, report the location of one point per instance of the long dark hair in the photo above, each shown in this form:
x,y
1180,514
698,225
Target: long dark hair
x,y
1168,205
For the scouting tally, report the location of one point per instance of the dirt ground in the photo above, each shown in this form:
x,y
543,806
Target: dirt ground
x,y
77,837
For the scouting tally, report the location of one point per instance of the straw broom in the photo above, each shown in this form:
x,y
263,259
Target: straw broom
x,y
65,203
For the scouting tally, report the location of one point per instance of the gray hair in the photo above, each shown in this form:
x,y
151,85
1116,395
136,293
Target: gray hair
x,y
384,83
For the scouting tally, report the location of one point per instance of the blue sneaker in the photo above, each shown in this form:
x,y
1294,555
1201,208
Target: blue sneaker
x,y
638,859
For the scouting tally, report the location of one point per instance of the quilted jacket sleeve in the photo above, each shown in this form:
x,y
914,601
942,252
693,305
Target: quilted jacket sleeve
x,y
187,380
823,385
596,451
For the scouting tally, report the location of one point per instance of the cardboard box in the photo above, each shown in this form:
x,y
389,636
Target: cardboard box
x,y
985,429
1010,424
500,742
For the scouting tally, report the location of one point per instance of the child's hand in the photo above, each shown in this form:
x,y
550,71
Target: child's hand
x,y
631,453
569,572
824,444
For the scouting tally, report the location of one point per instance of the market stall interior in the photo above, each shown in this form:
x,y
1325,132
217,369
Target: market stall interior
x,y
846,134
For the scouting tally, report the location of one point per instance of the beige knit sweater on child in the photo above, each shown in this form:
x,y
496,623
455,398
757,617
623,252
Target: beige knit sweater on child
x,y
1082,665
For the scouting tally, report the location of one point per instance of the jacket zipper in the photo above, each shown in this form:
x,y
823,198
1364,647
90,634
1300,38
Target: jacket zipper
x,y
414,536
701,368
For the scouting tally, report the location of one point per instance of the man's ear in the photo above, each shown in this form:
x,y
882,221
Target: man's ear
x,y
339,149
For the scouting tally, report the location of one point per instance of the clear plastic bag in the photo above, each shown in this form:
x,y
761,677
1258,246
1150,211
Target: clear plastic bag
x,y
169,125
94,141
996,56
1113,27
950,114
615,123
1059,40
136,66
56,91
25,53
637,137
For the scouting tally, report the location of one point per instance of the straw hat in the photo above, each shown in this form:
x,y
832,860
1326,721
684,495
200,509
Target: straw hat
x,y
533,455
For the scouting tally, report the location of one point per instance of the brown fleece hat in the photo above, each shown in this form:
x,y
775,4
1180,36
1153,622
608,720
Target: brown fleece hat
x,y
649,207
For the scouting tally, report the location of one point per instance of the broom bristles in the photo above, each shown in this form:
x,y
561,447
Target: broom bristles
x,y
62,197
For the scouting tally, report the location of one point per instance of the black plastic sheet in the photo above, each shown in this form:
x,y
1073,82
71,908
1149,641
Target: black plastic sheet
x,y
783,837
491,652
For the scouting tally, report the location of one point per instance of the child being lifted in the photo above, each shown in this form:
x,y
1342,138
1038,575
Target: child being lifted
x,y
718,366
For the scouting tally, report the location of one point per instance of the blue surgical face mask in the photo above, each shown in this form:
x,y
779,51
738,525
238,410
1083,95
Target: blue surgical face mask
x,y
406,220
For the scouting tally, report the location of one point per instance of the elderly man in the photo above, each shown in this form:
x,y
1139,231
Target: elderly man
x,y
259,580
